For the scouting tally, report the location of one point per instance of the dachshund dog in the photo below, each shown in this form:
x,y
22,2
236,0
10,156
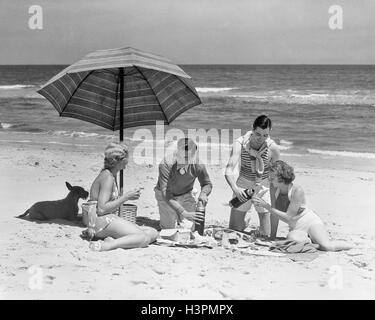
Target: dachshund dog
x,y
66,208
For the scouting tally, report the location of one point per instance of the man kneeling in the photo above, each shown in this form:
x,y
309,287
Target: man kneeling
x,y
173,191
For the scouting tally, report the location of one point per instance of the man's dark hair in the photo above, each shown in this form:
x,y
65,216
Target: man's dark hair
x,y
262,122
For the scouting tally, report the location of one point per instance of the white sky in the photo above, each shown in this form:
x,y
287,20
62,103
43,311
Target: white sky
x,y
190,31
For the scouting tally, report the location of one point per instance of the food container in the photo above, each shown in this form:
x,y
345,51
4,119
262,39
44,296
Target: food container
x,y
183,236
178,235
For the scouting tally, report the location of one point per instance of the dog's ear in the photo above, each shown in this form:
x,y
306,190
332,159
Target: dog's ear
x,y
68,185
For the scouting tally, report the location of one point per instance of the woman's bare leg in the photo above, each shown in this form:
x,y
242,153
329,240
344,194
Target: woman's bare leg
x,y
123,234
151,232
274,221
319,235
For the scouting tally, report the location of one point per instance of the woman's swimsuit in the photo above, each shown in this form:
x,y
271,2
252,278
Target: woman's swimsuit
x,y
305,217
103,221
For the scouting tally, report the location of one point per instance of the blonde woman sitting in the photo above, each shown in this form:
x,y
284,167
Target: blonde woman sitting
x,y
114,230
290,207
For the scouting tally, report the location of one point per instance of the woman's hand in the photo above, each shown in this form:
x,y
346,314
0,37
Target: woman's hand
x,y
240,194
193,216
259,202
133,194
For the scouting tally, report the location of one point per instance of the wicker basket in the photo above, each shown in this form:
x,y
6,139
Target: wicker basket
x,y
128,212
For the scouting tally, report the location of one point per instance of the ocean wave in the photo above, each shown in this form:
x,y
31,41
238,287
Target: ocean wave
x,y
21,127
283,148
160,143
310,95
80,134
364,155
18,126
213,90
292,155
5,126
16,86
215,145
308,99
68,144
349,97
46,142
286,142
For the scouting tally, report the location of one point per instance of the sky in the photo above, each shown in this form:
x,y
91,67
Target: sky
x,y
191,31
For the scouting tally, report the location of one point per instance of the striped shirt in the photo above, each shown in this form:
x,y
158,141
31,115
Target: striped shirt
x,y
246,165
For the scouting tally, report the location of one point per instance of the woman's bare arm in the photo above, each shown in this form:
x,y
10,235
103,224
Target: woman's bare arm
x,y
296,201
274,219
105,193
230,173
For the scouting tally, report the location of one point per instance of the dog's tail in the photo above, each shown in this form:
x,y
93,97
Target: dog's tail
x,y
24,214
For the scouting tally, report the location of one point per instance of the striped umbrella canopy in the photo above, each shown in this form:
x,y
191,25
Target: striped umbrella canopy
x,y
121,88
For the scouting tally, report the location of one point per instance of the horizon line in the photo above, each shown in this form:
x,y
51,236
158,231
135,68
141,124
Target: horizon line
x,y
219,64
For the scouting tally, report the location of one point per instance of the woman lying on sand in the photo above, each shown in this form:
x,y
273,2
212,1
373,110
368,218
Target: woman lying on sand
x,y
291,208
116,232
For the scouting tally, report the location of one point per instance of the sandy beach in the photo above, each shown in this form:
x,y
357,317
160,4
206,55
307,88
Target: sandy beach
x,y
340,190
74,74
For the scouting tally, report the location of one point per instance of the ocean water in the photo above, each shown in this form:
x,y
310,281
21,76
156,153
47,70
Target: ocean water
x,y
317,109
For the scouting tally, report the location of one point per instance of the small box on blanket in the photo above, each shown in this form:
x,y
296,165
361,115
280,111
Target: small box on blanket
x,y
179,235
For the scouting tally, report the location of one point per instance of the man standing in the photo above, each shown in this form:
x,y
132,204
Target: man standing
x,y
253,152
173,191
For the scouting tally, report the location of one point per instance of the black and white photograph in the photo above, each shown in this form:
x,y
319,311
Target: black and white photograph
x,y
187,150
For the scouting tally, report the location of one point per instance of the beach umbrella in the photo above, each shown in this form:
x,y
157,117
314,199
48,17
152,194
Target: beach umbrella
x,y
121,88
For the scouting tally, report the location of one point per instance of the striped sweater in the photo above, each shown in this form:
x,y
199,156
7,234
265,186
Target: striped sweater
x,y
246,164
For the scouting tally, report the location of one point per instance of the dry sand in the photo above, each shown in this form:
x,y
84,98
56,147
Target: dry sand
x,y
340,191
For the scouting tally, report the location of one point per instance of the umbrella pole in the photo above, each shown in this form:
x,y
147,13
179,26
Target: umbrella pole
x,y
121,76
